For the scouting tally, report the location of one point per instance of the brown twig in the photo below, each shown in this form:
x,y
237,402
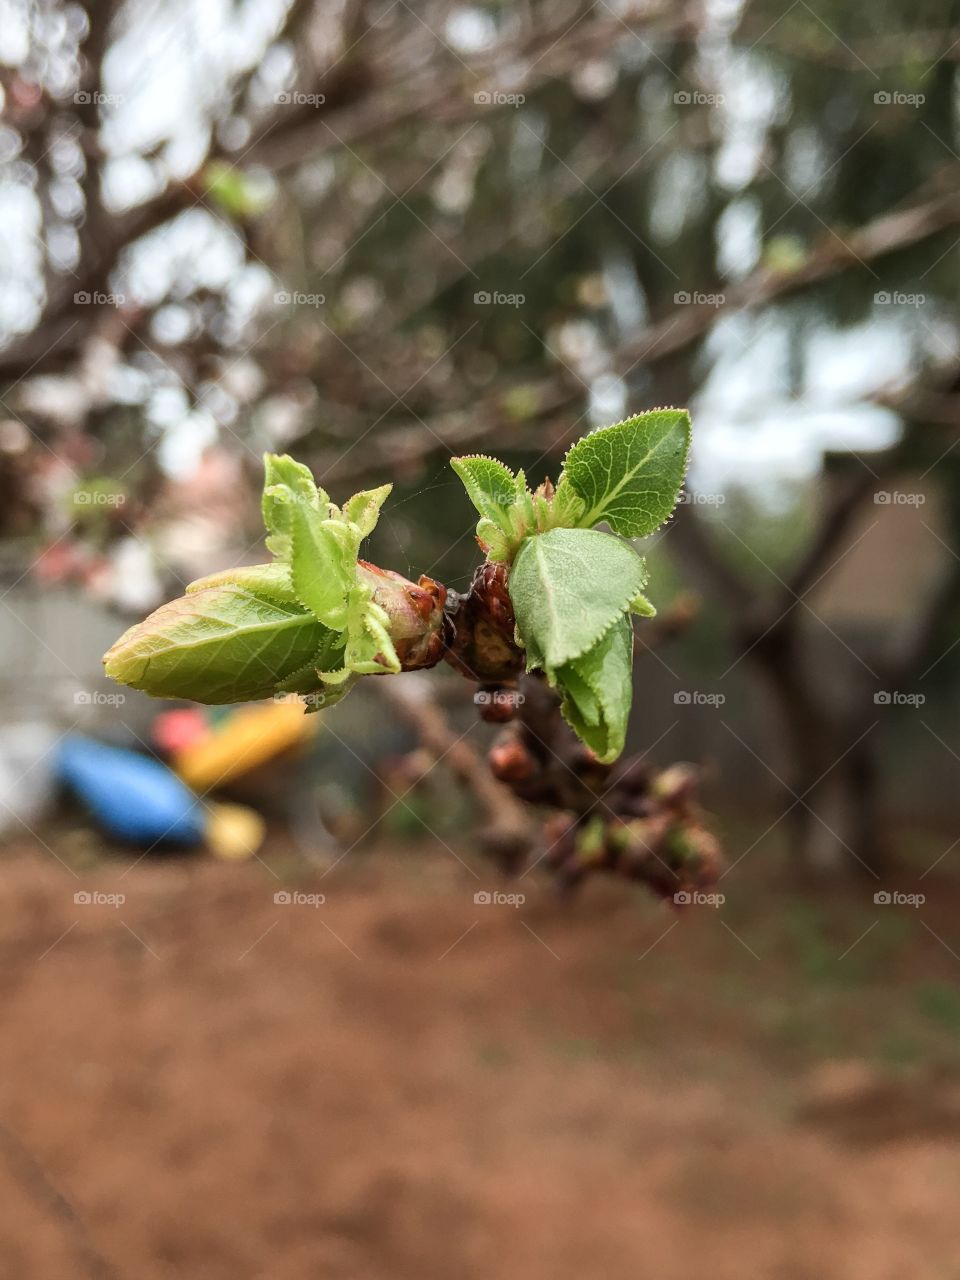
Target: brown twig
x,y
624,818
510,832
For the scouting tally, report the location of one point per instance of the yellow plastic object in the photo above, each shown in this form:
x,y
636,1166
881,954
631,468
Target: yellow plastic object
x,y
234,832
248,738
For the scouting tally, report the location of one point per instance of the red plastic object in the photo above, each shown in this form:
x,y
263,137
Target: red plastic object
x,y
174,731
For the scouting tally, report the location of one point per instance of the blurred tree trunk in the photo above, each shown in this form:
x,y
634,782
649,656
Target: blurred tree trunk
x,y
831,784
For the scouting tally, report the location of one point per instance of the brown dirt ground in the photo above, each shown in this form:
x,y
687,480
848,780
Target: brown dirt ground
x,y
401,1083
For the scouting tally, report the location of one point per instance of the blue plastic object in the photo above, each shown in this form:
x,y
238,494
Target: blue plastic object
x,y
131,796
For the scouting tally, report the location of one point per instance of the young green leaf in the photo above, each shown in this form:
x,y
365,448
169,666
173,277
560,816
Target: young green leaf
x,y
281,469
597,690
370,649
284,482
369,646
568,587
363,509
494,541
642,607
567,507
323,564
218,644
630,474
522,516
309,677
490,486
270,580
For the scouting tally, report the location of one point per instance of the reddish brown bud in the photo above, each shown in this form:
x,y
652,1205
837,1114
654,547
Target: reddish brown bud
x,y
498,703
591,843
483,646
698,852
415,611
632,776
676,786
559,837
511,761
632,806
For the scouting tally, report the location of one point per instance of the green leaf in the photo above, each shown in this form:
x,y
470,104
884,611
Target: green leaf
x,y
522,515
494,541
567,507
509,512
369,648
215,645
284,483
490,486
630,474
323,563
568,588
597,690
280,470
271,580
643,607
306,623
309,677
363,509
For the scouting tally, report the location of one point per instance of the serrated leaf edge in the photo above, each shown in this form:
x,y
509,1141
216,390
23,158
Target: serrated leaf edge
x,y
663,408
551,672
627,608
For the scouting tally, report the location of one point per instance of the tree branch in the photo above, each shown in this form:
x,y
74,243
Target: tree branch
x,y
464,428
